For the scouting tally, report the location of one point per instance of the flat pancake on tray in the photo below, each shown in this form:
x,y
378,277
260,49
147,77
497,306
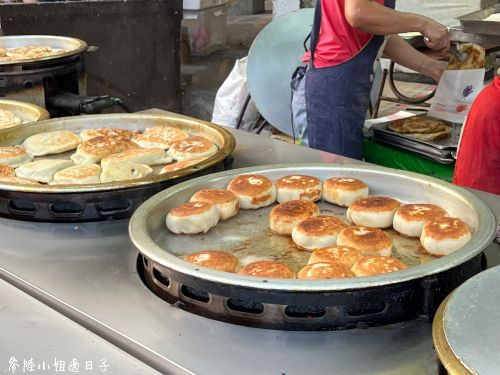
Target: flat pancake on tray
x,y
15,156
431,136
160,136
476,59
416,124
105,132
119,170
78,174
55,142
28,50
95,149
42,170
148,156
8,119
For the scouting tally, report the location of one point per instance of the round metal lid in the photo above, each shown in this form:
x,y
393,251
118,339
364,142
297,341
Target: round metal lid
x,y
470,323
275,54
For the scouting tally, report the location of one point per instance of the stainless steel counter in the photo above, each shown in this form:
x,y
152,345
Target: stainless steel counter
x,y
87,272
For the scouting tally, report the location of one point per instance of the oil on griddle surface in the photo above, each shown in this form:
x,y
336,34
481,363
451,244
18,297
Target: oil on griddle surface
x,y
248,237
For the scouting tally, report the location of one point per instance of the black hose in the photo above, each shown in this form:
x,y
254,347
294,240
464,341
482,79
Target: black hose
x,y
122,105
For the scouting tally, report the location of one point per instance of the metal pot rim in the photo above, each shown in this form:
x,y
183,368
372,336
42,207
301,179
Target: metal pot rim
x,y
138,230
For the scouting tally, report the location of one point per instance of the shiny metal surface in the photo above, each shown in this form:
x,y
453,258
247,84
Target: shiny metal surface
x,y
148,223
457,35
471,323
474,22
30,329
275,54
447,143
25,111
221,137
87,272
56,42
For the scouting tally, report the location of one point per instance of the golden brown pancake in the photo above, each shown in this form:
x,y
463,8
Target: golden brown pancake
x,y
226,202
60,52
444,236
286,215
78,174
28,50
476,59
446,132
216,260
51,143
409,219
42,170
370,241
3,51
191,208
122,170
192,147
325,270
268,269
376,265
345,255
15,156
192,217
95,149
343,191
8,119
416,124
317,232
147,156
295,187
6,171
376,212
106,132
253,191
19,180
160,136
181,165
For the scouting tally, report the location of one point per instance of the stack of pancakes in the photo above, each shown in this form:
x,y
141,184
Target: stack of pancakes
x,y
28,53
339,249
421,128
102,155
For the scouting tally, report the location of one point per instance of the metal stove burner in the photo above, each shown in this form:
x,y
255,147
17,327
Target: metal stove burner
x,y
297,311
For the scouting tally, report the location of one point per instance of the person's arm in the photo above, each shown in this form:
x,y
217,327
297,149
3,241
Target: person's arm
x,y
376,19
403,54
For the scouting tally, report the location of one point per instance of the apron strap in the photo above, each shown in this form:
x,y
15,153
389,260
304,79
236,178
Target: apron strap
x,y
314,35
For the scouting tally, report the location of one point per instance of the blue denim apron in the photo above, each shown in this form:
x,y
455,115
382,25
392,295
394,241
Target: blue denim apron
x,y
337,99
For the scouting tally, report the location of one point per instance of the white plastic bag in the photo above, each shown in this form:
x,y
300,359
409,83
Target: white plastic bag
x,y
231,98
455,94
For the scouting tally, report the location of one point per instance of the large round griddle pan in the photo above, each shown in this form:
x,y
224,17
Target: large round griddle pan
x,y
275,54
334,304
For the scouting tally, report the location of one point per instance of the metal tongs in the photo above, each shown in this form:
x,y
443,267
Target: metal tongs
x,y
461,56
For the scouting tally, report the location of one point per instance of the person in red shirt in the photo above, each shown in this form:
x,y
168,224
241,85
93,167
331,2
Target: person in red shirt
x,y
347,40
478,159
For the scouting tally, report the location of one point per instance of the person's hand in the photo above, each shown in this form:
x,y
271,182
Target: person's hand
x,y
436,36
435,68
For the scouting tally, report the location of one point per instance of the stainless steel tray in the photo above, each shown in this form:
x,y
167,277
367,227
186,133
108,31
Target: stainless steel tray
x,y
415,149
16,135
248,237
473,22
27,112
74,46
448,143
